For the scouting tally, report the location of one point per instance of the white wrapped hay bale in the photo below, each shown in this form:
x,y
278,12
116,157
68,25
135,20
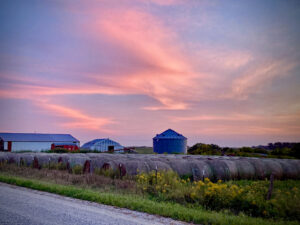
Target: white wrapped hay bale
x,y
220,169
245,169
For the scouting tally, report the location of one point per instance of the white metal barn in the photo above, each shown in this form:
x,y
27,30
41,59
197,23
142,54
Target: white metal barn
x,y
102,145
14,142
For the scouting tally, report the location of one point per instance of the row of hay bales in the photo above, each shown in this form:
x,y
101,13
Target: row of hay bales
x,y
199,167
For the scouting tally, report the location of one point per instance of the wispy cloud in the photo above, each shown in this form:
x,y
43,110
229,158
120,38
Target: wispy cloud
x,y
259,76
79,120
143,36
231,117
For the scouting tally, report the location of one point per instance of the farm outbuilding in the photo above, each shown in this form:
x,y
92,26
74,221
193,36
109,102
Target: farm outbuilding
x,y
102,145
170,142
14,142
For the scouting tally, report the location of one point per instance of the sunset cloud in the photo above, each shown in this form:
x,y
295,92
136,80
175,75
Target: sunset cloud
x,y
143,36
79,120
134,67
254,79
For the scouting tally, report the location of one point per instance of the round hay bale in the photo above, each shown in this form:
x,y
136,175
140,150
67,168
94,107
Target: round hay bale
x,y
200,170
181,166
296,166
27,159
43,159
12,158
98,161
233,170
87,166
115,166
5,157
62,158
288,169
35,163
272,167
245,169
157,165
220,169
77,160
133,167
259,168
2,157
17,159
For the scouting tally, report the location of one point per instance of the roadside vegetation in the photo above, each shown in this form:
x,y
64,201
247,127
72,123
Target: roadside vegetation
x,y
249,197
167,194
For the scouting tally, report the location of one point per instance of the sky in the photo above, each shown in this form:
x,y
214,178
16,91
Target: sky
x,y
222,72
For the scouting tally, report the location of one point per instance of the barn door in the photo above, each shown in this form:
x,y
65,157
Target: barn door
x,y
9,146
111,148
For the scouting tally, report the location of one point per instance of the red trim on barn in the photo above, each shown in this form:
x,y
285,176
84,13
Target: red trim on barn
x,y
9,144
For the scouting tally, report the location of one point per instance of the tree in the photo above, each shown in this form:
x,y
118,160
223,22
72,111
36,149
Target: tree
x,y
295,151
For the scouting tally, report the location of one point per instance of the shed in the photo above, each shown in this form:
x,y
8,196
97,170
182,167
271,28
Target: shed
x,y
102,145
170,142
33,141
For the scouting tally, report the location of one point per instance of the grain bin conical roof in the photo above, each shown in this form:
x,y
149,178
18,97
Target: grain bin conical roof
x,y
169,134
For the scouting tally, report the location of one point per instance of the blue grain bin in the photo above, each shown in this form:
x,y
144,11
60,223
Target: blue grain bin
x,y
169,142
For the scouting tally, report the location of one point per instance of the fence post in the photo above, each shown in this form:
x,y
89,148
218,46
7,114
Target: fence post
x,y
156,174
120,170
270,187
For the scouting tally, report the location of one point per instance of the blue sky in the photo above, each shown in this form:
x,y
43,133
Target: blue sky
x,y
215,71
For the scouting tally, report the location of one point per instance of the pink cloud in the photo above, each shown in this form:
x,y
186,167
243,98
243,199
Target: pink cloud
x,y
231,117
164,2
79,119
146,38
256,77
220,58
169,78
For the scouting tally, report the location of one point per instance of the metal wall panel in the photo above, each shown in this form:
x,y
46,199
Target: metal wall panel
x,y
170,145
31,146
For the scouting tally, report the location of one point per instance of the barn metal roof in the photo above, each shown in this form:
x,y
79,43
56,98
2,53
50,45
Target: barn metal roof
x,y
169,134
38,137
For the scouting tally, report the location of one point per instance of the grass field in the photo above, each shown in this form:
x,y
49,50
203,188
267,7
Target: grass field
x,y
144,150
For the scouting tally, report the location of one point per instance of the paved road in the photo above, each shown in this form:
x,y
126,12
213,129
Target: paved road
x,y
24,206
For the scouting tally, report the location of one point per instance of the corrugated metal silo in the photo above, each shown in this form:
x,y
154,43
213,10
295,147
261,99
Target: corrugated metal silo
x,y
170,142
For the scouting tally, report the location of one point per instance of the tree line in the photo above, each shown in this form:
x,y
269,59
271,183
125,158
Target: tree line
x,y
272,150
